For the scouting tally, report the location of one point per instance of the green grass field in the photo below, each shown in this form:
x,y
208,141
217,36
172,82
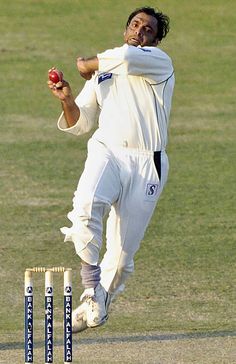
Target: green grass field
x,y
180,304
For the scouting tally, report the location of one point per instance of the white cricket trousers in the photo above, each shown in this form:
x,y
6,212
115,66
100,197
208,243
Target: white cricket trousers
x,y
123,183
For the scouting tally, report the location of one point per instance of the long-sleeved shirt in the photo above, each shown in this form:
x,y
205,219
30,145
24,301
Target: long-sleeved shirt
x,y
130,98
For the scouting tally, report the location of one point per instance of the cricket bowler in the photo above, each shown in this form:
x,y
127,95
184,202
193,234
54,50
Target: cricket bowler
x,y
127,96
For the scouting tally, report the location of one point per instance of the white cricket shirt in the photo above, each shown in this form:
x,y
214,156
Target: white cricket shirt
x,y
130,97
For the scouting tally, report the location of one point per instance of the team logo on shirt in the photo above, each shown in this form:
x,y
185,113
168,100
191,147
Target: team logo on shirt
x,y
151,189
144,49
104,77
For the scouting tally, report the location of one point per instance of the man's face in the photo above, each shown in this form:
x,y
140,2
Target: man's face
x,y
142,31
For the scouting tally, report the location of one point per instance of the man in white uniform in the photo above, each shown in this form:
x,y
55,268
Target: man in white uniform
x,y
128,93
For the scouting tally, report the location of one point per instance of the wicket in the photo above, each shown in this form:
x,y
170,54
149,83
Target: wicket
x,y
29,340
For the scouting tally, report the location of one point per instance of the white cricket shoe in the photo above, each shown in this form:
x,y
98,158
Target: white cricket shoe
x,y
93,311
98,300
79,318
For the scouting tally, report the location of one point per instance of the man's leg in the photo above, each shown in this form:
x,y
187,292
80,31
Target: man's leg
x,y
98,188
129,218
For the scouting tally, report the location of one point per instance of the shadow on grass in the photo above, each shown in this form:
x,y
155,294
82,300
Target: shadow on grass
x,y
127,339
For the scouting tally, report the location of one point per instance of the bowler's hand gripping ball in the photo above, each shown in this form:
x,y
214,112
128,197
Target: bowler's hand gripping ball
x,y
55,75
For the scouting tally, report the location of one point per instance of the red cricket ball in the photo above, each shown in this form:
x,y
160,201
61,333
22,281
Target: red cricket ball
x,y
55,75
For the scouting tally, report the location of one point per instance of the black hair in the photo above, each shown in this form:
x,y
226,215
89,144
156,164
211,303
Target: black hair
x,y
163,20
